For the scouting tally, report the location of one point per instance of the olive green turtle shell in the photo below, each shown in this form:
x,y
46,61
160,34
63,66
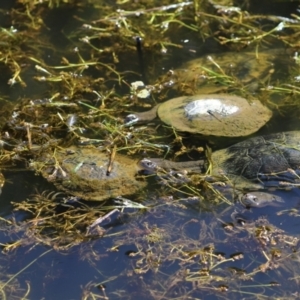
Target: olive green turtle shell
x,y
247,68
83,172
215,115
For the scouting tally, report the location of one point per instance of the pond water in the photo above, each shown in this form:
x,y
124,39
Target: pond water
x,y
169,243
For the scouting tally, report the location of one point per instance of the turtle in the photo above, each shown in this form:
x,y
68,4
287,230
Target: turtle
x,y
252,165
84,172
260,199
246,69
216,115
256,163
209,112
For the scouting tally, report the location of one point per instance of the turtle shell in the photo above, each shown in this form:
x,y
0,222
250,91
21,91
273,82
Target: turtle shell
x,y
269,160
82,172
214,115
246,67
264,161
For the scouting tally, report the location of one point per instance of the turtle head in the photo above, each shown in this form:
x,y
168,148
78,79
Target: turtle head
x,y
141,117
260,199
148,165
131,119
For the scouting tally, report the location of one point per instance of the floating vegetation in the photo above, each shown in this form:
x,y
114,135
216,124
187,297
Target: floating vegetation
x,y
55,221
228,253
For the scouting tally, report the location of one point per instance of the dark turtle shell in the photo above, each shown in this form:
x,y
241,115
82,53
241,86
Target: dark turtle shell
x,y
270,160
264,161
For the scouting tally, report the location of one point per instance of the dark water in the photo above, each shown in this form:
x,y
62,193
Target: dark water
x,y
153,273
